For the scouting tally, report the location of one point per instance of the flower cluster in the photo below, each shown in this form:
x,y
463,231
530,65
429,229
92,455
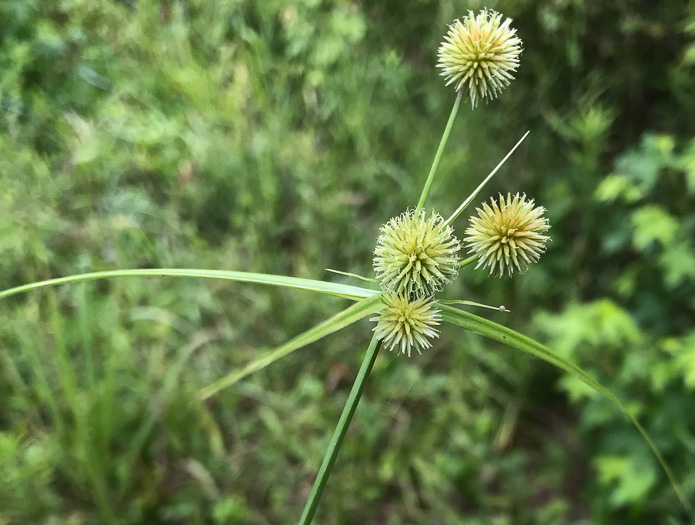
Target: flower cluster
x,y
406,324
480,53
507,235
417,254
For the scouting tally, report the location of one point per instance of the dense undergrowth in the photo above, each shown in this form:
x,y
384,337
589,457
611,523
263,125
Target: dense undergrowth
x,y
277,137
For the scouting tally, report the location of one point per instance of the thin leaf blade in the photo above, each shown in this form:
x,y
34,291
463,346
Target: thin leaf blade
x,y
348,316
345,291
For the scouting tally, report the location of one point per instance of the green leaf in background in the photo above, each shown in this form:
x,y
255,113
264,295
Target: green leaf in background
x,y
514,339
653,223
633,479
614,187
683,351
644,164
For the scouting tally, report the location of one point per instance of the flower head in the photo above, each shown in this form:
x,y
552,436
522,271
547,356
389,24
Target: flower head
x,y
406,324
414,254
480,52
507,235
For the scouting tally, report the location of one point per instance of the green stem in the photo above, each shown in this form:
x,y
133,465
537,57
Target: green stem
x,y
438,155
482,184
339,433
468,261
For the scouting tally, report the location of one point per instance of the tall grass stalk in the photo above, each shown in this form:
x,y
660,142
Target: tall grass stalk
x,y
440,152
339,432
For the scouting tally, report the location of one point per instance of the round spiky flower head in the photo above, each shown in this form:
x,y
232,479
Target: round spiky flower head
x,y
414,254
480,52
508,234
406,324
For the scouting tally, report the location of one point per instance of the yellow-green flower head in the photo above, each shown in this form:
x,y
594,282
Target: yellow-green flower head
x,y
507,235
406,324
415,254
480,53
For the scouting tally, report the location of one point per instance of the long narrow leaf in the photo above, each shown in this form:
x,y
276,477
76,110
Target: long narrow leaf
x,y
340,290
348,316
514,339
473,195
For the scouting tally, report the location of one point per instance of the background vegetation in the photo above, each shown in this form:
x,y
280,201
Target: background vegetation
x,y
277,137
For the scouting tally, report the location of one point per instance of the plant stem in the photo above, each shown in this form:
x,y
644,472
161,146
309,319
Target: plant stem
x,y
440,150
339,433
468,261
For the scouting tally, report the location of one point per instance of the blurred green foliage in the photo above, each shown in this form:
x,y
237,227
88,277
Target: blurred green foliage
x,y
277,136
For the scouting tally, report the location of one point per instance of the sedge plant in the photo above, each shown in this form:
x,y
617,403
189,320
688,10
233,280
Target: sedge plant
x,y
417,254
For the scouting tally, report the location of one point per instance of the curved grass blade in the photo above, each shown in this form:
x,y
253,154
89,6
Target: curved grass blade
x,y
348,316
345,291
472,303
515,339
